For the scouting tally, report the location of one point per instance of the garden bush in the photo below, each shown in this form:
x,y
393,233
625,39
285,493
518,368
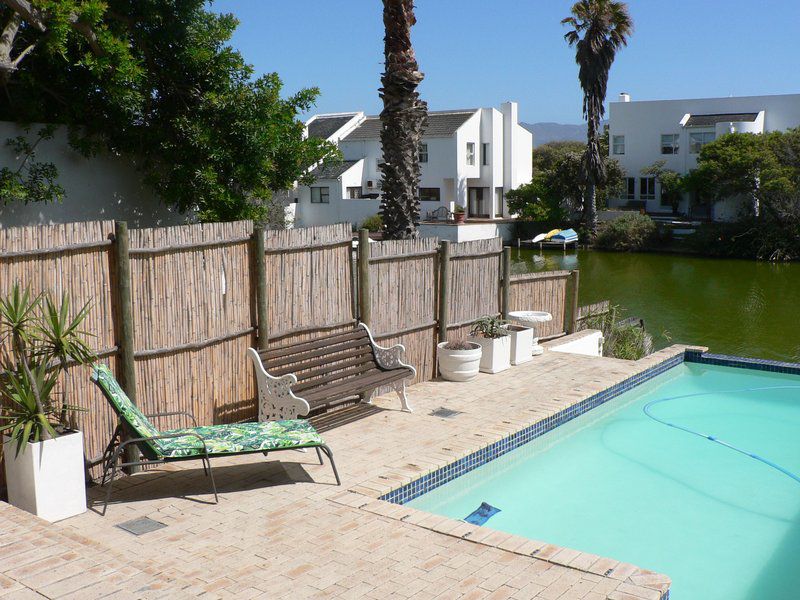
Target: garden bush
x,y
373,223
628,233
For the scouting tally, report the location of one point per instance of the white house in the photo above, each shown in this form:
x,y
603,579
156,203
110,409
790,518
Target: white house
x,y
643,132
469,158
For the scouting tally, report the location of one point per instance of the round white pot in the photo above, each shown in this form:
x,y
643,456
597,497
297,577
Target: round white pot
x,y
458,365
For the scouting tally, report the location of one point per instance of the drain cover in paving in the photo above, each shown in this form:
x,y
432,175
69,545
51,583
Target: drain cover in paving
x,y
445,413
140,526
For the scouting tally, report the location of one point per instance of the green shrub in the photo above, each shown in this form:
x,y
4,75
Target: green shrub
x,y
622,340
627,233
373,223
766,239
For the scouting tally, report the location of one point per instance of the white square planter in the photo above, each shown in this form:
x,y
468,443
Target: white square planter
x,y
495,353
47,478
521,343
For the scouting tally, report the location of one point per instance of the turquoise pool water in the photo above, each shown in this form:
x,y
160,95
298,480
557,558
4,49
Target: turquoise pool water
x,y
616,483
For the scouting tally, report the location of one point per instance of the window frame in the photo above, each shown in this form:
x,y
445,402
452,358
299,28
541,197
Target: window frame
x,y
630,188
322,198
615,144
645,183
485,154
423,152
674,146
471,154
693,147
349,190
438,194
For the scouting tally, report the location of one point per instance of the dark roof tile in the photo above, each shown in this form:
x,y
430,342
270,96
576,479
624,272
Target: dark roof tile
x,y
440,124
332,171
711,120
325,127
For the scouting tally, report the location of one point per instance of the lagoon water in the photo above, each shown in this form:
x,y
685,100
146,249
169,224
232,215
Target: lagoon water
x,y
739,307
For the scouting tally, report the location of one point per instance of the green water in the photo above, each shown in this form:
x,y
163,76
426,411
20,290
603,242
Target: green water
x,y
616,483
739,307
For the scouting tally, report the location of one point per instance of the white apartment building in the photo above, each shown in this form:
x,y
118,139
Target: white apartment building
x,y
643,132
468,157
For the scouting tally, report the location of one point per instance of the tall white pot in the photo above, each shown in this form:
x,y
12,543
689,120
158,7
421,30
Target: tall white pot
x,y
495,353
521,343
47,478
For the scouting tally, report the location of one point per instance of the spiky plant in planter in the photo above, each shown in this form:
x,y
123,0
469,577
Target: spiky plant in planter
x,y
41,337
403,119
490,333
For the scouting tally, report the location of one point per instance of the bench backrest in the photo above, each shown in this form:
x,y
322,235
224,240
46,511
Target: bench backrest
x,y
127,411
323,360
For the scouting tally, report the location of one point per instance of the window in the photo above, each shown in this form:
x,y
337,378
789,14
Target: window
x,y
484,154
618,144
320,195
647,188
699,139
354,192
669,143
630,188
470,153
423,153
429,194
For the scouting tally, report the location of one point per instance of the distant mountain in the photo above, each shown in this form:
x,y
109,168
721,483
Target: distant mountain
x,y
556,132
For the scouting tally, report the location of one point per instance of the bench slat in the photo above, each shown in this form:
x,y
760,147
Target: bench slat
x,y
298,370
348,373
326,350
332,366
319,342
352,387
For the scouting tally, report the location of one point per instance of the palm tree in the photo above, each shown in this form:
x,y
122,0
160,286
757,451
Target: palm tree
x,y
403,118
606,26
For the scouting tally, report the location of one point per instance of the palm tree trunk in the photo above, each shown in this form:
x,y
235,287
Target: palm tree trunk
x,y
590,206
403,118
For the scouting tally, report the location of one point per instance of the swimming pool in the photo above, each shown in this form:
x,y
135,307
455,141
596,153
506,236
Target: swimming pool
x,y
617,483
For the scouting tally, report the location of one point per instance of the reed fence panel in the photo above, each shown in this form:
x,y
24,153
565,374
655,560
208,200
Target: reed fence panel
x,y
309,282
475,281
403,295
193,314
75,259
546,292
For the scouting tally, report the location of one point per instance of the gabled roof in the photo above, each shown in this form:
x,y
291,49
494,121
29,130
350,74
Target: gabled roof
x,y
713,119
325,127
334,170
440,124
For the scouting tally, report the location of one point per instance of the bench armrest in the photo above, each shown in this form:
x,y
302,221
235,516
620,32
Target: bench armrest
x,y
389,358
276,401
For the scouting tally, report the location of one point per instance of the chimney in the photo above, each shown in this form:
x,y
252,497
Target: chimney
x,y
624,97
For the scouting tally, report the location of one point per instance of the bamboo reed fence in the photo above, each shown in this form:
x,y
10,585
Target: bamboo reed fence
x,y
174,309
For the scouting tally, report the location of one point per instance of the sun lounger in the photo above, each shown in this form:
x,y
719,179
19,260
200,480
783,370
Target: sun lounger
x,y
193,443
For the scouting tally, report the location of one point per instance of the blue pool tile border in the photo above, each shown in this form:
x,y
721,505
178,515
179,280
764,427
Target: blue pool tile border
x,y
440,476
758,364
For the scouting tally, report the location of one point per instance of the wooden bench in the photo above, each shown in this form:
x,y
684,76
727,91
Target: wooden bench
x,y
297,379
440,214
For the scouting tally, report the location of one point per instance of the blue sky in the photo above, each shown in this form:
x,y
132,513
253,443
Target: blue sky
x,y
482,52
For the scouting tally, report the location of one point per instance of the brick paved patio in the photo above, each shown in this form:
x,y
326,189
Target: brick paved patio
x,y
282,527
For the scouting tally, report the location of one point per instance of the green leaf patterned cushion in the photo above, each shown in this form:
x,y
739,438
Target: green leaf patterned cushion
x,y
123,406
242,437
219,439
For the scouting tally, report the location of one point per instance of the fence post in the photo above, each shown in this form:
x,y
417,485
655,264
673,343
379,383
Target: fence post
x,y
506,281
575,276
444,289
262,312
364,308
127,366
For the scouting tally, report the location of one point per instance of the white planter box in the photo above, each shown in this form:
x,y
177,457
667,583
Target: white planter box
x,y
458,365
495,353
47,478
521,343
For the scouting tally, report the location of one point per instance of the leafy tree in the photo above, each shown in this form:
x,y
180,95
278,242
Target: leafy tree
x,y
557,184
156,81
671,183
403,117
605,26
31,181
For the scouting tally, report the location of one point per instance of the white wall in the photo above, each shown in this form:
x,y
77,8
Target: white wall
x,y
468,231
103,187
643,122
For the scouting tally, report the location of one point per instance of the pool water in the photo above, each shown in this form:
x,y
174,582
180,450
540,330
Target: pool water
x,y
616,483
